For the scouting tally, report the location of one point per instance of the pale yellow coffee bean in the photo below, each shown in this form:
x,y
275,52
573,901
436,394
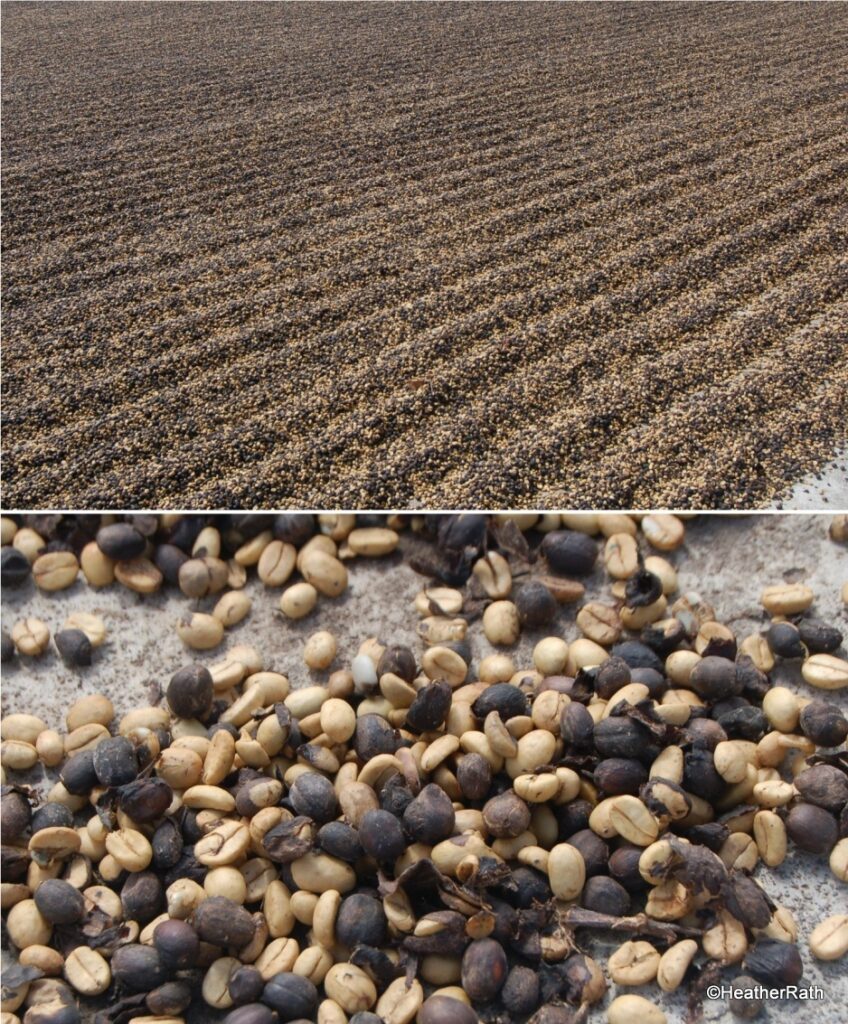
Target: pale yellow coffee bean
x,y
85,737
208,542
726,940
29,543
251,551
786,598
501,623
50,748
739,851
634,963
730,761
757,649
92,625
665,571
139,574
338,720
633,1009
839,860
30,636
825,672
87,971
401,1001
232,608
679,665
829,940
26,926
324,571
130,848
566,871
438,601
199,631
98,569
43,958
350,987
223,845
215,985
674,964
179,767
600,623
372,541
318,872
621,556
8,529
23,727
663,531
92,709
212,797
774,793
313,963
444,663
613,523
781,708
17,755
276,563
494,575
55,570
320,650
584,653
632,820
298,600
669,765
550,656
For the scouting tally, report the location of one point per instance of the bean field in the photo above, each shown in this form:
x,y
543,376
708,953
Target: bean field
x,y
392,255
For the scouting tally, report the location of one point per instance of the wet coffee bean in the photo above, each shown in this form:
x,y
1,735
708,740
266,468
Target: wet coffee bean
x,y
177,943
430,817
59,902
313,796
824,723
115,762
121,542
361,921
812,828
484,969
381,836
74,647
190,692
292,996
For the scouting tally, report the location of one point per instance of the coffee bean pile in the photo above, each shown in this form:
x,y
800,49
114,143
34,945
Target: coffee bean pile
x,y
420,838
460,255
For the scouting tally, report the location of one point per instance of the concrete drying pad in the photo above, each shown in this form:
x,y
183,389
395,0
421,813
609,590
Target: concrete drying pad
x,y
728,559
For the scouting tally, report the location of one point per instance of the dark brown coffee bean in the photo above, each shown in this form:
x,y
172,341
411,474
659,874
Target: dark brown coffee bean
x,y
15,568
374,736
121,542
223,922
624,868
146,800
605,895
637,655
774,963
289,840
399,661
824,786
474,775
615,775
506,699
520,994
169,559
361,921
115,761
507,815
745,1005
824,723
536,605
577,727
142,897
190,692
444,1010
593,850
746,901
715,679
77,773
484,969
430,817
254,1013
292,996
381,836
167,845
812,828
170,999
430,707
340,840
245,985
313,796
74,647
15,815
177,943
569,553
59,901
784,640
138,968
819,637
611,677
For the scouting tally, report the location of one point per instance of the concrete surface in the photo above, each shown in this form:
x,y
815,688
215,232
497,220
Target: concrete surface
x,y
728,559
828,488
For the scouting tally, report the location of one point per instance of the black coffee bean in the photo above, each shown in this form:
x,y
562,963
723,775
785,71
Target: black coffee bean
x,y
74,647
430,817
824,723
611,677
169,559
341,840
16,816
536,605
474,775
642,589
467,530
823,785
774,963
745,723
7,648
520,994
374,736
186,867
655,681
381,835
506,699
294,527
572,817
59,901
712,834
77,773
142,897
637,655
313,796
245,985
746,901
819,637
624,868
167,843
784,640
525,887
444,1010
396,796
430,708
577,727
145,800
715,679
14,567
169,999
121,541
399,661
745,1005
361,921
812,828
484,968
115,761
290,839
292,996
593,849
605,895
704,733
618,736
14,863
507,815
569,552
138,968
700,776
177,943
616,775
663,637
190,692
223,922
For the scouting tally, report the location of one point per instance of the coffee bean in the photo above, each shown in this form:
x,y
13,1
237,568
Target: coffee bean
x,y
138,968
430,707
484,969
774,963
744,1003
439,1009
506,815
223,923
430,817
190,692
504,698
15,567
115,762
605,896
823,785
253,1013
59,902
536,604
824,723
313,796
381,836
812,828
291,996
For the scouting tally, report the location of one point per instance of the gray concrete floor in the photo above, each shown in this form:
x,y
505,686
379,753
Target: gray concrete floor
x,y
728,559
826,489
